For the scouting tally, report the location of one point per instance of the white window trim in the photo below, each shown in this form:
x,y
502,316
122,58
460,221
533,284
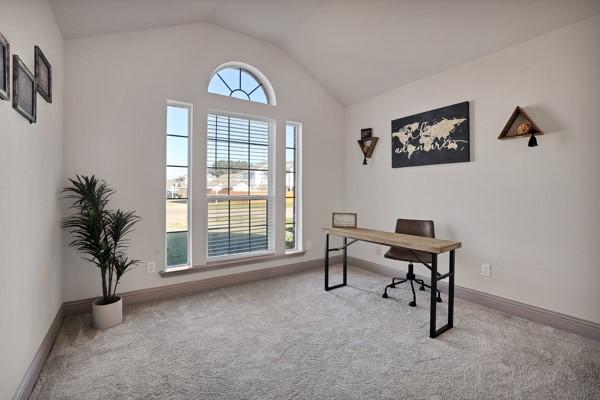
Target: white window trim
x,y
190,107
298,189
270,197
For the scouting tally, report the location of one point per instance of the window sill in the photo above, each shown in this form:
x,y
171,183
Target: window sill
x,y
187,269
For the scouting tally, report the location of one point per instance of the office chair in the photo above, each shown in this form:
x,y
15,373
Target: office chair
x,y
417,228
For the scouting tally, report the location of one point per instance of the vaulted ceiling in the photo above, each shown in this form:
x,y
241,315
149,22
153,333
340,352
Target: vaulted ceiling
x,y
354,48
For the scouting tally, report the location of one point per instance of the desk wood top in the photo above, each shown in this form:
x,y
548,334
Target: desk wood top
x,y
430,245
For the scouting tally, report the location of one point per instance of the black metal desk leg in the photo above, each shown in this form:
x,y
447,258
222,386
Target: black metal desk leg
x,y
433,332
327,262
345,267
345,260
433,302
451,292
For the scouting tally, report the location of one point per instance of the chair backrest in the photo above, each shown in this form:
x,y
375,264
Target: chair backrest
x,y
415,227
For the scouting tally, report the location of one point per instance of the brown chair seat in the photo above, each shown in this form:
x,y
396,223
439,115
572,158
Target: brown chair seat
x,y
402,254
416,228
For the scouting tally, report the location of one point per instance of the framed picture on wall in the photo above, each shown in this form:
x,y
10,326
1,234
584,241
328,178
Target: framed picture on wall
x,y
43,75
24,90
4,68
433,137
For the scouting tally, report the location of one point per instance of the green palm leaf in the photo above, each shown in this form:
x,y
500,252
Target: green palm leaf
x,y
98,232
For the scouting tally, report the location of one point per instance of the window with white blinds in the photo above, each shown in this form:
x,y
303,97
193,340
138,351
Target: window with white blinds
x,y
238,185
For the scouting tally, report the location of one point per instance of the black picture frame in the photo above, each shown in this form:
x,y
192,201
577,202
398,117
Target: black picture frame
x,y
437,136
43,75
4,68
24,90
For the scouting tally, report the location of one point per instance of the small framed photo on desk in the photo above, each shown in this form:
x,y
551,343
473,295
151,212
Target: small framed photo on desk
x,y
343,220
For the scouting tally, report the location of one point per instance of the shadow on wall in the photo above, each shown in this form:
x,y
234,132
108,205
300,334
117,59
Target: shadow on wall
x,y
546,120
472,137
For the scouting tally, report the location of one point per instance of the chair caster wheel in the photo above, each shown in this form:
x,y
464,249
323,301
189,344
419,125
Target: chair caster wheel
x,y
412,304
439,299
422,288
385,296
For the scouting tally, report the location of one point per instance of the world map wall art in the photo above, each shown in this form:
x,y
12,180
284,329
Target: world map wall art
x,y
434,137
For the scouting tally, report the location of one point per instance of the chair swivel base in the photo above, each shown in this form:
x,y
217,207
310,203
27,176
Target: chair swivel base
x,y
410,277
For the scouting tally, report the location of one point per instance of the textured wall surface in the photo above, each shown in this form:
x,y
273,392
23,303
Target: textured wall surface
x,y
31,176
532,213
115,128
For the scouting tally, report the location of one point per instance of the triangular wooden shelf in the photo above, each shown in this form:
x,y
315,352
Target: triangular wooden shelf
x,y
367,146
518,117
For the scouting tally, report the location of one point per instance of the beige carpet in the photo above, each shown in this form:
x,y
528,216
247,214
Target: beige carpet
x,y
286,338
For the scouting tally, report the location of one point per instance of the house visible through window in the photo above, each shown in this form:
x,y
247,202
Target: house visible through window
x,y
238,185
240,218
177,185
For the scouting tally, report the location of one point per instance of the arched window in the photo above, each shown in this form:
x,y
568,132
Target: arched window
x,y
239,81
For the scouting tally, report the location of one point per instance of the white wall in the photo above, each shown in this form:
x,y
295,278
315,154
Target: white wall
x,y
531,212
117,90
31,176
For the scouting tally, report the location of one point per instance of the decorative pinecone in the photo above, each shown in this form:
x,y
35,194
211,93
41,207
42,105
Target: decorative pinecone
x,y
524,128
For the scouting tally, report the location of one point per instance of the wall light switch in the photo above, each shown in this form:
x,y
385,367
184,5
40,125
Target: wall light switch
x,y
308,244
151,267
486,270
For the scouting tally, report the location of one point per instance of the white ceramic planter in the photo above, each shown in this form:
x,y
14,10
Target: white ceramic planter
x,y
109,315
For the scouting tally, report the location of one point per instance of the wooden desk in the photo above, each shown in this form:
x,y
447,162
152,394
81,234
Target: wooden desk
x,y
429,245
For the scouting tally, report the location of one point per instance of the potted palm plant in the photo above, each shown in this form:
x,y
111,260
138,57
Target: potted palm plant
x,y
101,235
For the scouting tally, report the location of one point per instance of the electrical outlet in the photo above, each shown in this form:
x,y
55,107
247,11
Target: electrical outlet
x,y
308,244
486,270
378,250
151,267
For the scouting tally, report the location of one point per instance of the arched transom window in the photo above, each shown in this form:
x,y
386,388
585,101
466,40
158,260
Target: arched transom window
x,y
237,81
